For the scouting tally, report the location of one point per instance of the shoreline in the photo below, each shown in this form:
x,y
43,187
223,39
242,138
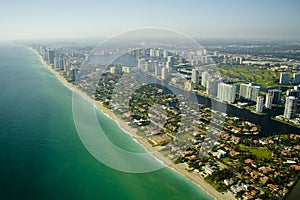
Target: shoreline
x,y
194,177
285,122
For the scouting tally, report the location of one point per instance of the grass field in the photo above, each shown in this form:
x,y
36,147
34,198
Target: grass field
x,y
265,78
260,152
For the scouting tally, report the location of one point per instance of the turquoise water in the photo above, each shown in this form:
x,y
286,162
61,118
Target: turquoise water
x,y
41,155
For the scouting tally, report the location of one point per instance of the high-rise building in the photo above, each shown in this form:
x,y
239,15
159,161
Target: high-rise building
x,y
158,53
126,69
148,66
51,56
115,70
296,78
290,109
164,73
168,66
291,92
193,62
62,62
244,93
269,100
203,60
195,76
67,66
43,51
249,92
56,63
204,78
141,62
226,92
260,104
239,60
72,74
171,60
157,70
276,95
212,86
190,56
188,85
284,78
152,52
165,54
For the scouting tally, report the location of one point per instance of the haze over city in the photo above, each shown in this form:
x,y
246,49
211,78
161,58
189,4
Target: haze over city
x,y
200,19
150,99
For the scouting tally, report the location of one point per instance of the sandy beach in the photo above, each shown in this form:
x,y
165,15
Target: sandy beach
x,y
179,168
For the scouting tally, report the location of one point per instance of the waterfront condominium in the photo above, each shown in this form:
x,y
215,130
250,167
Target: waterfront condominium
x,y
260,104
226,92
290,109
269,100
249,92
276,95
51,56
212,86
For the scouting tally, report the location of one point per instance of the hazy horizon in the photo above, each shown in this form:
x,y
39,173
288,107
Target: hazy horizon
x,y
257,20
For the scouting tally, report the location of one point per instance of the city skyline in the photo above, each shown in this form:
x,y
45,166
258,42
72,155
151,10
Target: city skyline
x,y
199,19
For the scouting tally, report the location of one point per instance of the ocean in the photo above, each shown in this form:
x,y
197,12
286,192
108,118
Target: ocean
x,y
41,155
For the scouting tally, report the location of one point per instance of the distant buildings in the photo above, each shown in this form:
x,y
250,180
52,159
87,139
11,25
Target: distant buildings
x,y
290,109
195,76
126,69
158,53
226,92
249,92
152,52
165,54
260,104
284,78
42,50
233,60
115,70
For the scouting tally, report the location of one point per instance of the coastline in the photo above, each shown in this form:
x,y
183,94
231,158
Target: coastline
x,y
178,168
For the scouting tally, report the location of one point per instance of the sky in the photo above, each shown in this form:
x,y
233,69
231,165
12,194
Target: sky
x,y
234,19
